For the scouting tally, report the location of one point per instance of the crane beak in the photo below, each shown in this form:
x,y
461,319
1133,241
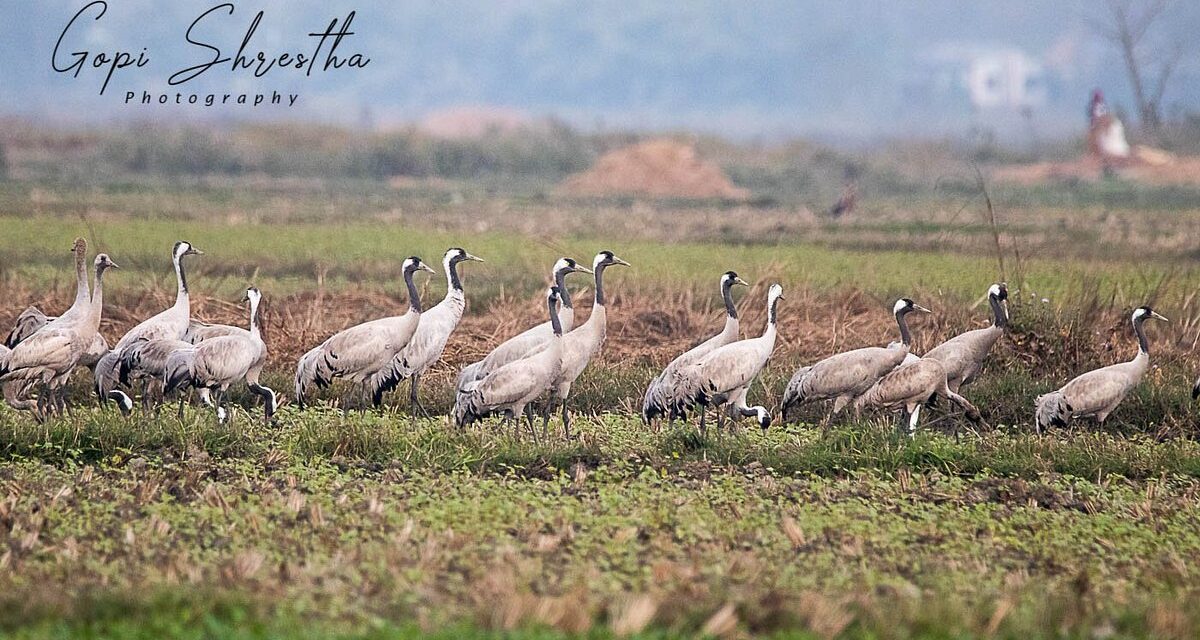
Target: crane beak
x,y
741,282
194,252
1156,316
619,261
583,269
917,307
475,258
113,265
425,267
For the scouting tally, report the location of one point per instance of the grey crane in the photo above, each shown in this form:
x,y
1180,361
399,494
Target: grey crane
x,y
511,387
429,341
582,343
962,356
519,345
1096,393
50,355
216,364
146,360
724,375
32,319
909,387
662,395
359,352
80,307
170,323
846,375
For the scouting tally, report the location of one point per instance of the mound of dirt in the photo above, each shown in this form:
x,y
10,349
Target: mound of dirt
x,y
660,168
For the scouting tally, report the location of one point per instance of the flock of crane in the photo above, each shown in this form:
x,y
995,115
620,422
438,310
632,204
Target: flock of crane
x,y
171,353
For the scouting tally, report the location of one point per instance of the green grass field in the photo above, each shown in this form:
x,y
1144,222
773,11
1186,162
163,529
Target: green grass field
x,y
285,259
368,526
374,525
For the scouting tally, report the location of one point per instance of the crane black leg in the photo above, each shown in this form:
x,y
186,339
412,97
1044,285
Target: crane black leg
x,y
566,418
414,400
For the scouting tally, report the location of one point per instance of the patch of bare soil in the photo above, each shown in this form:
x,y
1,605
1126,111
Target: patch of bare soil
x,y
1017,492
1159,170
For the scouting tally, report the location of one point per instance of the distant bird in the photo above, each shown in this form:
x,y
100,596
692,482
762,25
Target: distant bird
x,y
582,343
511,387
50,355
216,364
962,356
662,396
724,375
844,376
846,201
171,323
429,341
1097,393
361,351
519,345
909,387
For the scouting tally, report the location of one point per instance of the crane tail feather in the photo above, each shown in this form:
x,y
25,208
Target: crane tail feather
x,y
1053,410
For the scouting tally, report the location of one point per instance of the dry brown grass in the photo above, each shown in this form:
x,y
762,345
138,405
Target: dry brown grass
x,y
648,328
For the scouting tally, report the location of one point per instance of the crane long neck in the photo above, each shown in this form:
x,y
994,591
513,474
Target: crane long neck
x,y
1143,343
254,328
999,317
902,322
98,297
560,281
727,295
599,299
81,277
555,324
181,278
452,281
768,335
414,299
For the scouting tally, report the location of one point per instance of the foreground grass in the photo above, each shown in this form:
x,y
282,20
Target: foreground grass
x,y
286,545
376,441
379,526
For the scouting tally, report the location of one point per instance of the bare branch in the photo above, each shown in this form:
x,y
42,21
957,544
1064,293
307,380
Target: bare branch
x,y
1164,73
1128,25
1138,28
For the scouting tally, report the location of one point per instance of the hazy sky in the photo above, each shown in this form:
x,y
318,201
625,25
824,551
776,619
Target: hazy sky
x,y
742,68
